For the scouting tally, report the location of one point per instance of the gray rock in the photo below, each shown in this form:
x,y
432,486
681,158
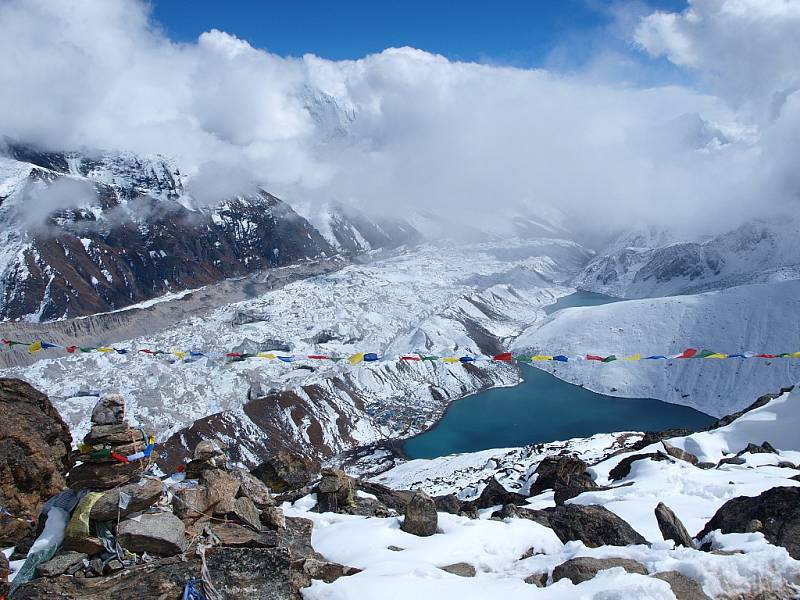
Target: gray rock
x,y
671,526
220,485
191,503
676,452
245,511
764,448
89,545
238,536
113,566
143,495
567,476
121,433
285,471
754,525
537,579
449,504
682,586
584,568
785,464
461,569
492,494
420,516
4,572
60,563
252,487
273,517
395,548
623,467
328,572
104,476
109,410
731,460
778,509
593,525
157,533
334,491
206,450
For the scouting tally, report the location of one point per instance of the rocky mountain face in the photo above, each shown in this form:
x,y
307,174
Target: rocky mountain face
x,y
650,264
84,234
34,457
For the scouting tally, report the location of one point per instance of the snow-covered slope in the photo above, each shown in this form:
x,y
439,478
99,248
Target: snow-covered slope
x,y
761,318
505,552
651,263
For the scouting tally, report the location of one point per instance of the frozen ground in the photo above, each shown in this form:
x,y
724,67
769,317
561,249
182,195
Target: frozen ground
x,y
499,550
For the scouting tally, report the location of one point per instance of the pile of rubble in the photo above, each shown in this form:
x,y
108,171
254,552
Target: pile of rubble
x,y
210,528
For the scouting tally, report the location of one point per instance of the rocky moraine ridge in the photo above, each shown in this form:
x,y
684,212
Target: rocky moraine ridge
x,y
90,524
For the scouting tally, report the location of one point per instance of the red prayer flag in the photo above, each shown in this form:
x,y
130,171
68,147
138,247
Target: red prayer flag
x,y
410,358
594,357
503,356
234,355
688,353
317,356
119,457
766,355
71,349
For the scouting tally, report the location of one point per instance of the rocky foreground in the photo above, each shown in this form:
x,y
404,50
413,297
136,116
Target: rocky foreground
x,y
104,522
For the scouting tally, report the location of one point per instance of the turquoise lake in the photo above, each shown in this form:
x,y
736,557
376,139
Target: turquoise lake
x,y
543,409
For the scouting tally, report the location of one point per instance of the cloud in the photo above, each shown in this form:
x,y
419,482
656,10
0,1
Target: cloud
x,y
406,132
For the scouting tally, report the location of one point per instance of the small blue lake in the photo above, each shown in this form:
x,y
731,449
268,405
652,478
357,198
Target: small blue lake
x,y
543,409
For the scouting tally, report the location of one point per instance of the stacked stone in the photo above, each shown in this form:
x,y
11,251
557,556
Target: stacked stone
x,y
110,433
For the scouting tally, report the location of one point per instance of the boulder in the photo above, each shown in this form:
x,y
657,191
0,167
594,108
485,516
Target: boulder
x,y
334,491
104,476
244,511
778,510
241,573
623,467
493,494
461,569
190,503
60,563
88,545
156,533
449,504
273,517
34,456
676,452
684,588
220,486
253,488
731,460
764,448
567,476
420,515
121,433
206,450
143,494
671,526
593,525
584,568
328,572
394,499
285,471
238,536
537,579
109,410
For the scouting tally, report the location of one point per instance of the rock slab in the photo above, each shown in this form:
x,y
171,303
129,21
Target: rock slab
x,y
421,518
156,533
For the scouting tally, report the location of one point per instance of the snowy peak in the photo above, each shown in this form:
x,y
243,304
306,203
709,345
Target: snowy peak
x,y
647,264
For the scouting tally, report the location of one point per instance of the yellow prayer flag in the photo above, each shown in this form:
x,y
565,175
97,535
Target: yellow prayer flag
x,y
105,349
633,357
356,358
179,353
717,355
266,355
541,357
35,346
450,359
795,355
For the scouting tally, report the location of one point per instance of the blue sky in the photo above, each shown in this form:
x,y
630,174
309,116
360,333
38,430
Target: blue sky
x,y
522,33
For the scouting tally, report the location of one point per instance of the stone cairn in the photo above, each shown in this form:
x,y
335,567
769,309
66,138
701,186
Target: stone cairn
x,y
109,434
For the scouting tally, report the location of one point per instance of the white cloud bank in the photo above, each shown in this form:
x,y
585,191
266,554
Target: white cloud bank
x,y
408,130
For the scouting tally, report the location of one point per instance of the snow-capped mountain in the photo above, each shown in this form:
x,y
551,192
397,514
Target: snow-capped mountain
x,y
758,317
650,263
83,234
